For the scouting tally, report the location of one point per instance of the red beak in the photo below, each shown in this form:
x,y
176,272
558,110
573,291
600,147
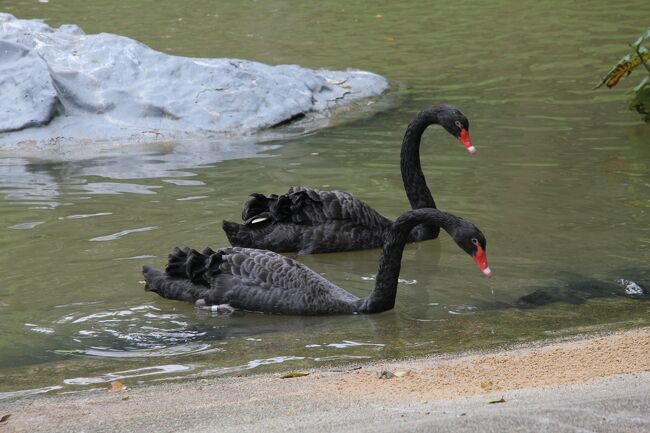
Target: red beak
x,y
464,138
481,260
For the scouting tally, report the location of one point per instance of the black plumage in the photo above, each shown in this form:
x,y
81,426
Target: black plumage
x,y
308,220
262,280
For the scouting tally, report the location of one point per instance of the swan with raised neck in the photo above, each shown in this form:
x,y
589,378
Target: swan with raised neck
x,y
309,220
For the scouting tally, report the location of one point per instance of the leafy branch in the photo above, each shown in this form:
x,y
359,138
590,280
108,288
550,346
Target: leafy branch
x,y
640,55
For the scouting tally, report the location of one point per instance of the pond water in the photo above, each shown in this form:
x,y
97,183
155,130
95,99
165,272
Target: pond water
x,y
560,187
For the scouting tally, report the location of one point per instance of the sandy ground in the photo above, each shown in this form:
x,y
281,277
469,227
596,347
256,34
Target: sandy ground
x,y
591,384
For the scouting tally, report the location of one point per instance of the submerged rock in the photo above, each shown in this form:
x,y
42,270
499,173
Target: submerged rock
x,y
61,84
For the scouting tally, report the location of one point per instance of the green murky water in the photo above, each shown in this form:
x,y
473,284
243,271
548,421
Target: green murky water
x,y
560,187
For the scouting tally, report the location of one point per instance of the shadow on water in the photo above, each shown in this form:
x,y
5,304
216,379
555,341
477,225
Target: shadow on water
x,y
573,288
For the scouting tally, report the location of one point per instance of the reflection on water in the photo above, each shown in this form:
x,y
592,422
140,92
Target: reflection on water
x,y
38,182
560,187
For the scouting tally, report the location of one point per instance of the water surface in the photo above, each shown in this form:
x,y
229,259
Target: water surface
x,y
560,187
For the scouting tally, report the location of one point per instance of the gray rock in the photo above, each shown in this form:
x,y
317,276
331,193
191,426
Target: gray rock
x,y
77,87
27,99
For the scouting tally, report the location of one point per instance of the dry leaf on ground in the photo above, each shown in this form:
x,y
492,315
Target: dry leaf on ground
x,y
117,386
291,375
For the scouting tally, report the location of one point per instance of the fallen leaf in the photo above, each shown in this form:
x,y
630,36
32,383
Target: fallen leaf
x,y
487,385
117,386
385,374
389,38
501,400
5,418
290,375
402,373
125,398
379,16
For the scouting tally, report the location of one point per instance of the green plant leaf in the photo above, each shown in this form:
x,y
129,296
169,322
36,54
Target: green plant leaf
x,y
641,100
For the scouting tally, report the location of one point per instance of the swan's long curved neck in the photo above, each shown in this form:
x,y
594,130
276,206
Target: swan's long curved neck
x,y
382,297
415,184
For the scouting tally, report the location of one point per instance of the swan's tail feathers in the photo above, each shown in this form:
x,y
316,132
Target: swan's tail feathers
x,y
272,208
171,288
190,264
239,235
187,276
258,204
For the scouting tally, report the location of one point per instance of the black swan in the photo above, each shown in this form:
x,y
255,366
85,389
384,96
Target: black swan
x,y
261,280
308,220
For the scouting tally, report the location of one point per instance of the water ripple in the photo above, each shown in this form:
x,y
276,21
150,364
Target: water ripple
x,y
136,332
183,182
28,392
183,349
26,226
123,233
83,216
345,344
194,197
127,374
251,365
118,188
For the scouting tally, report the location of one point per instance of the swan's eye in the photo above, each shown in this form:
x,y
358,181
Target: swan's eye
x,y
475,241
457,123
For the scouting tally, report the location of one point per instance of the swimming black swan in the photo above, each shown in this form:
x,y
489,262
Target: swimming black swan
x,y
261,280
308,220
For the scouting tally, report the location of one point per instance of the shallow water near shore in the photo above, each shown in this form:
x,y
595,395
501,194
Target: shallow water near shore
x,y
560,187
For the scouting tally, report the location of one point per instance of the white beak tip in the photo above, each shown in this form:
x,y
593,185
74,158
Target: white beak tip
x,y
471,150
487,272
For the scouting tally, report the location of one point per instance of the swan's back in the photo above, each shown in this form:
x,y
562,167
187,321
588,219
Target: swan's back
x,y
321,207
310,206
308,220
248,279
